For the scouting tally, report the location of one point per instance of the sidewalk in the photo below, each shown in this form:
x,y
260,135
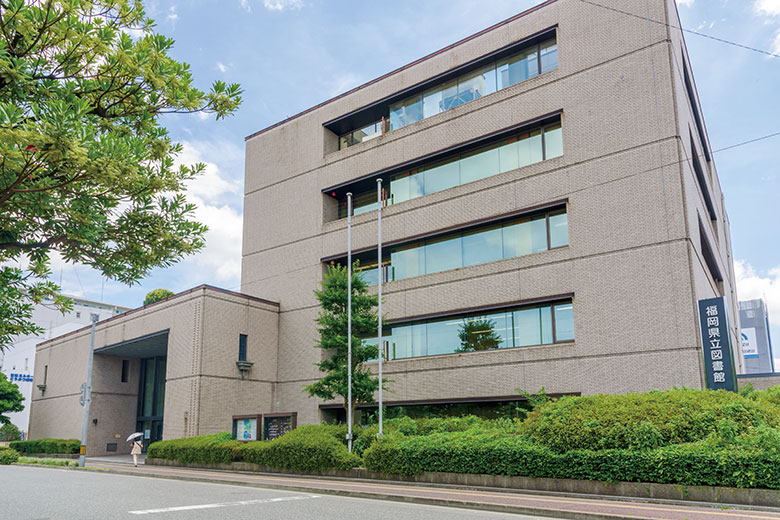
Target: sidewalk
x,y
557,505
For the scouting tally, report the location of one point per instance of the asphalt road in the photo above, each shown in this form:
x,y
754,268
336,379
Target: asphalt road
x,y
46,493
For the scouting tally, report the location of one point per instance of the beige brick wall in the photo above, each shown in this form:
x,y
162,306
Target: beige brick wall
x,y
203,385
634,262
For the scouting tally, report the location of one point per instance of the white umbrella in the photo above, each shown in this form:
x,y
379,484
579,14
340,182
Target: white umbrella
x,y
134,435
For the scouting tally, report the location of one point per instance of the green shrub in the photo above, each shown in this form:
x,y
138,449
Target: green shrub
x,y
496,454
8,456
307,448
9,432
64,446
646,420
205,449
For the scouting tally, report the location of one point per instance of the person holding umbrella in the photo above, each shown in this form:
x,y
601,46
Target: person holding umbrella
x,y
135,441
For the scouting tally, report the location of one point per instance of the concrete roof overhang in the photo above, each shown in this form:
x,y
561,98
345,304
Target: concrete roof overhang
x,y
150,345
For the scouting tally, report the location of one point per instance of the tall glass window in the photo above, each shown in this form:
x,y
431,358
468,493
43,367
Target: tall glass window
x,y
489,243
505,328
530,62
520,150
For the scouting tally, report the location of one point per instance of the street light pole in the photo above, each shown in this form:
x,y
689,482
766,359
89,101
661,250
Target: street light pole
x,y
86,396
349,322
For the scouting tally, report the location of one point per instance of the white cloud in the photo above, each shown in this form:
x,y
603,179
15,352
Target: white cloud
x,y
685,2
245,5
752,285
767,7
172,16
222,67
281,5
341,83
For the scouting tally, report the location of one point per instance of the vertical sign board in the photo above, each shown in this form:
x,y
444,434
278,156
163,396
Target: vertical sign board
x,y
718,357
749,343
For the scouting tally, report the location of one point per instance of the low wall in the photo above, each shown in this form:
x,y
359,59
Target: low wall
x,y
759,381
722,495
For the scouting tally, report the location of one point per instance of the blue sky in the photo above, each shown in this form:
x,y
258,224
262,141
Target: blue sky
x,y
291,54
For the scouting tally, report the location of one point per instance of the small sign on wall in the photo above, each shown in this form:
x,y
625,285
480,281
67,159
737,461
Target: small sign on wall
x,y
245,427
749,343
277,424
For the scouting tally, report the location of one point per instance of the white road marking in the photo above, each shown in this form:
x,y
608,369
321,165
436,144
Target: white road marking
x,y
221,504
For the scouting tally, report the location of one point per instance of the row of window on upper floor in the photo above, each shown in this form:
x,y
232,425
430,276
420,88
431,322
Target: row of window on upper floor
x,y
519,326
528,63
512,238
518,150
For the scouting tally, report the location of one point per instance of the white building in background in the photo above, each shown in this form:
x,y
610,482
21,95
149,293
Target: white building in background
x,y
18,361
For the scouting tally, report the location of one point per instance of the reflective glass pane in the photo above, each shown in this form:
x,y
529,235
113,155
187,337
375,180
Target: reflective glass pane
x,y
405,112
439,98
364,203
507,155
408,262
527,327
401,343
442,337
408,185
369,274
441,176
559,230
564,322
159,395
480,247
345,141
529,149
148,388
553,141
524,238
479,164
517,68
547,335
480,332
443,255
477,84
549,55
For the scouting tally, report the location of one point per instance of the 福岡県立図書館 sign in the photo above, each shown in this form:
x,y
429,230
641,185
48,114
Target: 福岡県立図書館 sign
x,y
718,358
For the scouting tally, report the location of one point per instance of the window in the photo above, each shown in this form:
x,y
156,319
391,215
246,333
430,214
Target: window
x,y
702,180
529,325
695,108
491,75
709,255
125,370
518,236
45,373
242,347
456,168
78,315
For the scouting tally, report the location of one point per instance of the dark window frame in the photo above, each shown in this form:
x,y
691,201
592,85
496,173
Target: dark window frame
x,y
125,371
242,343
701,179
708,254
690,90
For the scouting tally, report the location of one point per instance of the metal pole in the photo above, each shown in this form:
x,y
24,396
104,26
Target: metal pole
x,y
87,395
379,293
349,322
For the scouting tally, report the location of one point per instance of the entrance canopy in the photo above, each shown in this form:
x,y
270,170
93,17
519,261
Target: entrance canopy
x,y
151,345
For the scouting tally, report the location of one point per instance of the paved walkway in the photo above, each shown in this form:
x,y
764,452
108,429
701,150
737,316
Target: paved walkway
x,y
124,458
563,506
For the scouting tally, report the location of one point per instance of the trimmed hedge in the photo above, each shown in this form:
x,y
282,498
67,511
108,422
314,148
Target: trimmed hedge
x,y
307,448
205,449
66,446
492,454
645,421
8,456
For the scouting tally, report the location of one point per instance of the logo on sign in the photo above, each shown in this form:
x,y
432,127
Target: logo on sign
x,y
749,343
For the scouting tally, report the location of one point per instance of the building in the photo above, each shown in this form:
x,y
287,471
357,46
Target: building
x,y
756,343
548,182
19,358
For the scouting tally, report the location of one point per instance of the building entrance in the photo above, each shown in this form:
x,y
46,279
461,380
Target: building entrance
x,y
151,400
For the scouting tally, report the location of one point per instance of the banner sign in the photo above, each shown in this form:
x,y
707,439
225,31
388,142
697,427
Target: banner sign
x,y
718,357
749,343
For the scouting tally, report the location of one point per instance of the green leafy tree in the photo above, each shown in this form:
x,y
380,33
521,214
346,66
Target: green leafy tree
x,y
86,169
333,339
478,334
10,398
9,432
157,295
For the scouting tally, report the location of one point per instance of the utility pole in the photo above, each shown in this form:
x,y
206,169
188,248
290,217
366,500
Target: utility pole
x,y
379,292
86,395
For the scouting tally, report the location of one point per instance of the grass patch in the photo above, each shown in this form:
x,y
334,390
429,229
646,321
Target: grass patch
x,y
48,462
